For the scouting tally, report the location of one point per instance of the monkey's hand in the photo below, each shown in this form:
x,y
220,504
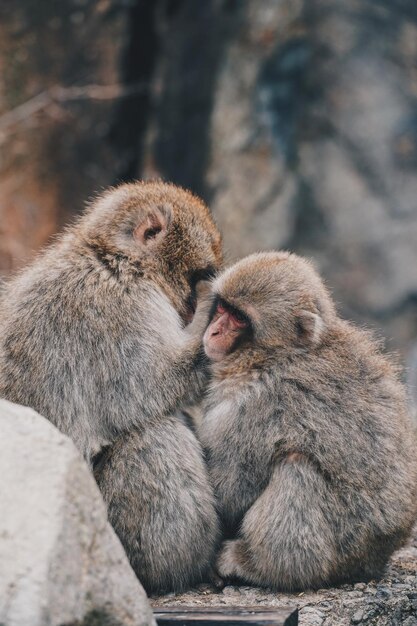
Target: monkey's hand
x,y
230,562
216,581
196,329
193,346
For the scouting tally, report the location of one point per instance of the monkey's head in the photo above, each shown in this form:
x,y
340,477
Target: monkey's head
x,y
162,232
270,301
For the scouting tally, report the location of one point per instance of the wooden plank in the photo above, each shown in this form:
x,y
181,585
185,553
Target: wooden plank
x,y
231,616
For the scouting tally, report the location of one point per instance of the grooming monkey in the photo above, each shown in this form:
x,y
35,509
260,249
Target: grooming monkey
x,y
308,440
95,335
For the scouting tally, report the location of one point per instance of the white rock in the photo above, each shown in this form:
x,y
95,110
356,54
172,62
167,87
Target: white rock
x,y
60,560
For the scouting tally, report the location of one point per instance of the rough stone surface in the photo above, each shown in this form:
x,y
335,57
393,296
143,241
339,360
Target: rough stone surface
x,y
314,148
298,125
391,601
296,120
66,82
61,562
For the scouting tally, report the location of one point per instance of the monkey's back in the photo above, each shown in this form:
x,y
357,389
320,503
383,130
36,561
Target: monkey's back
x,y
73,341
173,509
344,408
345,397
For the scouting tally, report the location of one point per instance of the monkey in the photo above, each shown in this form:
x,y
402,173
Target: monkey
x,y
307,436
102,334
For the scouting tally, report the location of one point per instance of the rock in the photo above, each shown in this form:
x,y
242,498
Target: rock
x,y
231,591
297,123
314,148
72,105
357,617
61,562
312,615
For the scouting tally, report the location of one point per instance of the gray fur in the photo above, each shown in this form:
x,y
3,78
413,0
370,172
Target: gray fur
x,y
309,443
92,338
175,516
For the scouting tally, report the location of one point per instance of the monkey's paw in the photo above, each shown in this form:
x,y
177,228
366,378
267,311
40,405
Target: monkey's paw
x,y
229,560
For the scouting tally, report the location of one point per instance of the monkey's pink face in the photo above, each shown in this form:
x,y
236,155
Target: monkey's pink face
x,y
227,327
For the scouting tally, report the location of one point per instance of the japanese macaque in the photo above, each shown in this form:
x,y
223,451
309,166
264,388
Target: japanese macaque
x,y
99,336
308,440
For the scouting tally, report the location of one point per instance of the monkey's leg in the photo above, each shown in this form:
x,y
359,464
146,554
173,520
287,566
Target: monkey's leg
x,y
287,539
161,505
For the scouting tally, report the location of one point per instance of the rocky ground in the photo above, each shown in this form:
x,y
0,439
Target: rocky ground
x,y
389,602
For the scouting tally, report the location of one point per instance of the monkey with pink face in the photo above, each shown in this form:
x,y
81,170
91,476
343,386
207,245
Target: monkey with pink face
x,y
308,440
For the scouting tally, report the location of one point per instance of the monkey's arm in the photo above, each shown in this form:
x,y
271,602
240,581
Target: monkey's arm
x,y
287,540
240,456
200,320
166,359
194,333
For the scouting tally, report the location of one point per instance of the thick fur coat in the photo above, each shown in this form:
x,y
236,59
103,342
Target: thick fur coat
x,y
94,337
308,438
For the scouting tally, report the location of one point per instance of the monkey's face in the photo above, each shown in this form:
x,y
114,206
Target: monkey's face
x,y
228,328
268,302
163,231
190,253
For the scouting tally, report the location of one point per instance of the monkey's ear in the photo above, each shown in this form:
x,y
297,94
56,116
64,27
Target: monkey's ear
x,y
153,226
310,328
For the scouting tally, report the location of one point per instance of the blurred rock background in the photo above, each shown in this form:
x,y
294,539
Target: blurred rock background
x,y
296,120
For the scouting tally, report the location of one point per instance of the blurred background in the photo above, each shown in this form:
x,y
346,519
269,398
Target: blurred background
x,y
296,120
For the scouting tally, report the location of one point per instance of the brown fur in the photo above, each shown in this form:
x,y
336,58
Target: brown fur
x,y
309,443
94,337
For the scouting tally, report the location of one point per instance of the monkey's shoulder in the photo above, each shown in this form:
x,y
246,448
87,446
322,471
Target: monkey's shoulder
x,y
348,370
68,292
344,393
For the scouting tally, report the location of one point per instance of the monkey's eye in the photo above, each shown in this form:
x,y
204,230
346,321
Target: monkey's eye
x,y
239,316
240,319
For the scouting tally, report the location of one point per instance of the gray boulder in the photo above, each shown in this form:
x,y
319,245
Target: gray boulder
x,y
60,561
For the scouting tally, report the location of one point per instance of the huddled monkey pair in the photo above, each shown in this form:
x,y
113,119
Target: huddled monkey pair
x,y
309,469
